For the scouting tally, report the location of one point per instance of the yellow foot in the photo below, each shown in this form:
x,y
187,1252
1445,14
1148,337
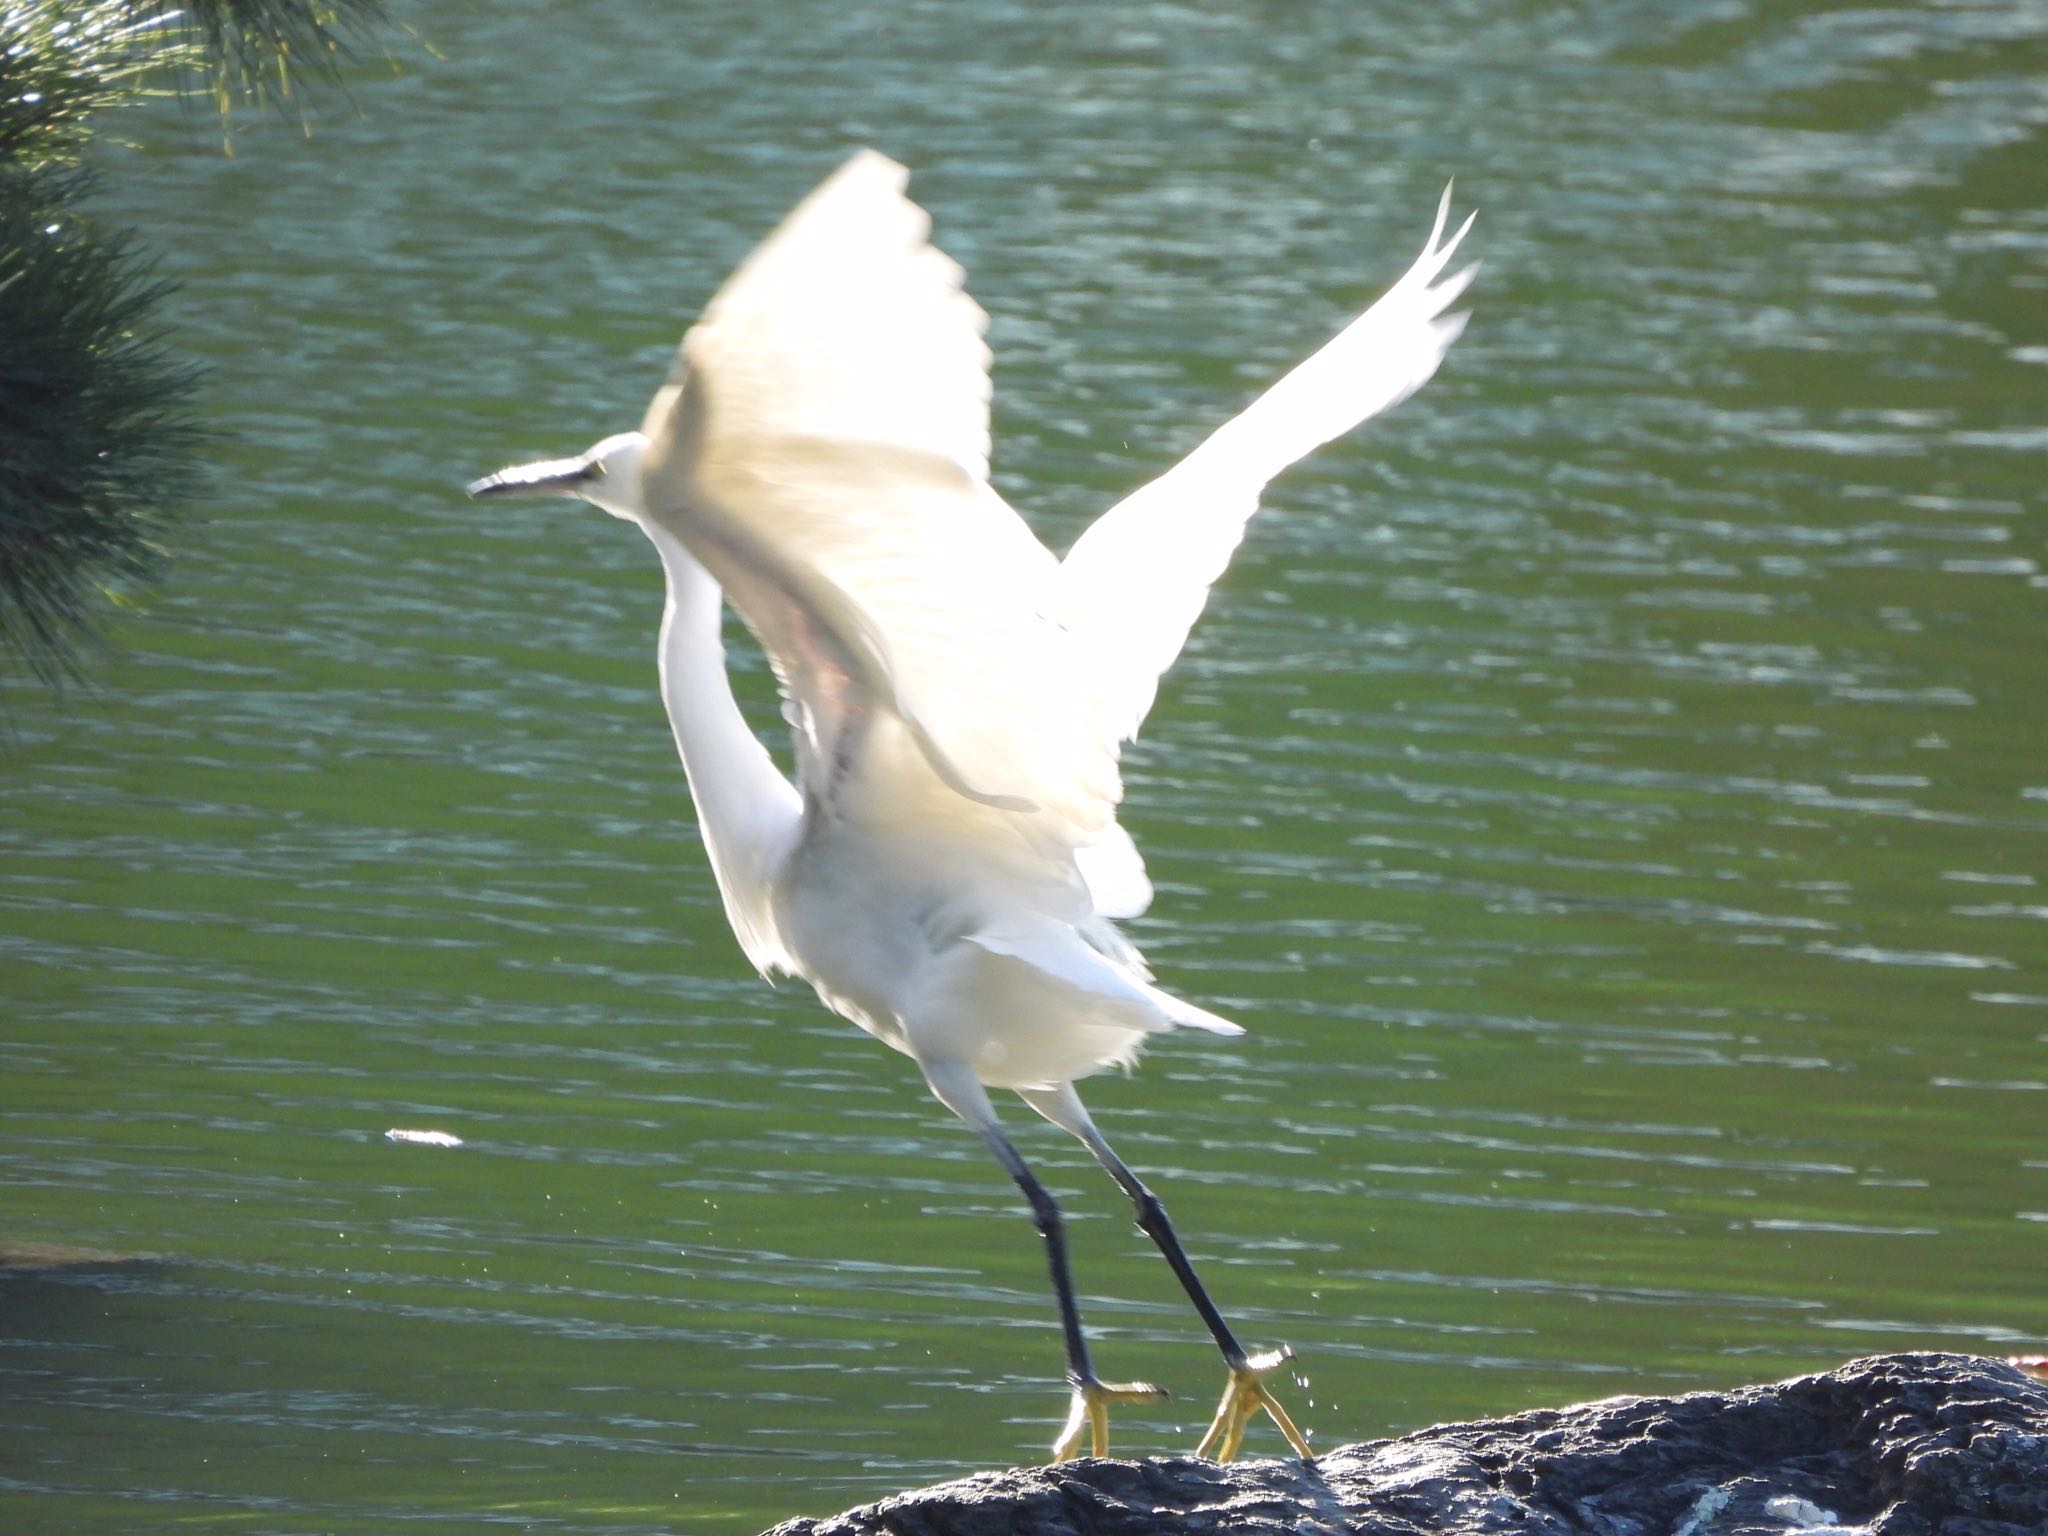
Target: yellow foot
x,y
1242,1399
1090,1411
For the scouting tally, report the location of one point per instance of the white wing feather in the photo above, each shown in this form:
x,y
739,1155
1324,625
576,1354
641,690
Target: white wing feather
x,y
846,324
823,448
1135,582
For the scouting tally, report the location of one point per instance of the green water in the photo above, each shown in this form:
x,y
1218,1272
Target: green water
x,y
1612,790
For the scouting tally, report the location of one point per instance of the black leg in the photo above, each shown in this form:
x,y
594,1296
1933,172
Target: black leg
x,y
1153,1223
1246,1394
1088,1414
1045,1212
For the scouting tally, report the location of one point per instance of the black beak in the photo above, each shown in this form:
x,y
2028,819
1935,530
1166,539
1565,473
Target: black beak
x,y
549,477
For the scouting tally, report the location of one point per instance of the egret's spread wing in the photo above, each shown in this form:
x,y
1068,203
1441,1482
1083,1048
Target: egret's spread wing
x,y
822,446
1135,582
846,324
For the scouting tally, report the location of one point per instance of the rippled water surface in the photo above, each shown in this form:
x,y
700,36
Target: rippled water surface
x,y
1612,789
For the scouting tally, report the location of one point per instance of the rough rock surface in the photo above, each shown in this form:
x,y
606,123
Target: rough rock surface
x,y
1896,1445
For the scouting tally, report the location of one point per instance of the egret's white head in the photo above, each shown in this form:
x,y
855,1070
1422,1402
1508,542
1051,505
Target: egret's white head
x,y
607,475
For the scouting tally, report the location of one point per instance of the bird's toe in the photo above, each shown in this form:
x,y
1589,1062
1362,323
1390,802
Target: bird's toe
x,y
1244,1397
1088,1413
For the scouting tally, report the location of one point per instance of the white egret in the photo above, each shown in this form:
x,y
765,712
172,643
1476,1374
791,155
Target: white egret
x,y
948,868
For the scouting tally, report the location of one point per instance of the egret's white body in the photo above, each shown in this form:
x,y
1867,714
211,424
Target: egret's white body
x,y
947,870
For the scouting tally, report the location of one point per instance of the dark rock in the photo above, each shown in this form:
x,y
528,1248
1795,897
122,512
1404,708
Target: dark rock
x,y
1896,1445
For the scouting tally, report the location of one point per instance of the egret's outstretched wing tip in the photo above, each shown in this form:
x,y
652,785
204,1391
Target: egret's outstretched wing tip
x,y
869,161
1464,229
1137,579
1452,288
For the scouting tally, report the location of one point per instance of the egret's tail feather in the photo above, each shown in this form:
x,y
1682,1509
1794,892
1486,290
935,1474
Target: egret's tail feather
x,y
1187,1015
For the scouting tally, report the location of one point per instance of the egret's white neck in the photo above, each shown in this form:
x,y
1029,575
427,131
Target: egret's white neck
x,y
747,812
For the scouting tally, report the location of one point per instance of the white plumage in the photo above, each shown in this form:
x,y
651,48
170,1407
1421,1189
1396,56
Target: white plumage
x,y
947,870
